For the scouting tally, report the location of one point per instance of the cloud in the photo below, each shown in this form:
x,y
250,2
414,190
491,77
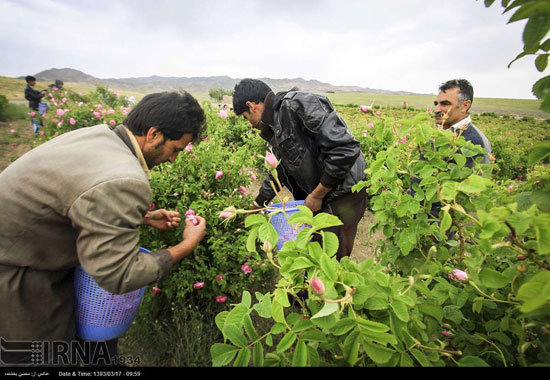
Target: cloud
x,y
408,45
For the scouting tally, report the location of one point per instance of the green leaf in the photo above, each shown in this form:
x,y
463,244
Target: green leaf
x,y
324,220
535,30
540,151
313,357
287,341
235,335
314,336
446,222
543,238
535,293
330,243
420,357
305,210
236,316
277,312
300,355
432,311
220,319
246,299
541,62
268,232
493,279
351,347
343,326
378,353
372,326
281,297
254,219
222,354
251,240
263,308
249,328
541,197
474,184
243,358
377,303
400,310
328,309
328,267
472,361
258,355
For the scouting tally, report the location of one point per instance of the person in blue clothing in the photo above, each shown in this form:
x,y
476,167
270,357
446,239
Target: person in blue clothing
x,y
34,97
454,100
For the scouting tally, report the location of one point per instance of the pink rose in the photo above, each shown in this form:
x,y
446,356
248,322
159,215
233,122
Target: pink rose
x,y
270,161
60,112
246,268
189,148
198,285
460,275
156,290
223,114
72,121
97,115
12,130
243,189
219,278
364,109
190,214
447,334
378,112
221,299
252,175
317,286
219,174
228,213
112,122
42,133
152,207
370,125
33,114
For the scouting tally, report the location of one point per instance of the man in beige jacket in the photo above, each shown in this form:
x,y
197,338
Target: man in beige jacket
x,y
79,199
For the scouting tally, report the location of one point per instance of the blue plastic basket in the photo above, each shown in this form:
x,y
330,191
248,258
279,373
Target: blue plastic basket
x,y
101,315
280,223
42,108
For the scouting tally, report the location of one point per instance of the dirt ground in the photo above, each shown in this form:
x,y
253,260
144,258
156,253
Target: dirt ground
x,y
364,245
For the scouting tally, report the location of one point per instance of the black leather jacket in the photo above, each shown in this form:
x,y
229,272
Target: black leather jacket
x,y
33,97
313,143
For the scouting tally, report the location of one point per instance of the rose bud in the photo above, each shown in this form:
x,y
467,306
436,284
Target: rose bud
x,y
317,286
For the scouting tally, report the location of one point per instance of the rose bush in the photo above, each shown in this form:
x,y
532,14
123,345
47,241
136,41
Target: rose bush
x,y
467,286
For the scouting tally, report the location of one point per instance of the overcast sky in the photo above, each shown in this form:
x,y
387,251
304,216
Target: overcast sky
x,y
410,45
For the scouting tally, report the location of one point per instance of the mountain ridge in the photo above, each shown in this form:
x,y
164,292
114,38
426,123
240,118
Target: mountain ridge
x,y
200,84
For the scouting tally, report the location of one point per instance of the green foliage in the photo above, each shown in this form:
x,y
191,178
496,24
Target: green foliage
x,y
217,94
410,307
10,111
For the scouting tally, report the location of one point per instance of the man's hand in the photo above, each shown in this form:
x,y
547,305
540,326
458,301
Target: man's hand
x,y
194,233
314,203
162,219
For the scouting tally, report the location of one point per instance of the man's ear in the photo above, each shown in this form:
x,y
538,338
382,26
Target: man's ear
x,y
152,134
466,105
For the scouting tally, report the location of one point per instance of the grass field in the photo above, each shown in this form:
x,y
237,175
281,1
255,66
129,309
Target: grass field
x,y
13,89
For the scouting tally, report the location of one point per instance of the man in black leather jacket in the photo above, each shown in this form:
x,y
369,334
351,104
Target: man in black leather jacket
x,y
320,159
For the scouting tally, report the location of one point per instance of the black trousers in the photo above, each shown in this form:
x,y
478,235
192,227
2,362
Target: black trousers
x,y
349,208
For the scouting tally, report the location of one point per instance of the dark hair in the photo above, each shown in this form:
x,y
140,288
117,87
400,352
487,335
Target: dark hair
x,y
58,82
466,91
29,78
249,90
173,113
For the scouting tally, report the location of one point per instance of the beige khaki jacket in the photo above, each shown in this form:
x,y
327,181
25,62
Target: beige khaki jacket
x,y
76,199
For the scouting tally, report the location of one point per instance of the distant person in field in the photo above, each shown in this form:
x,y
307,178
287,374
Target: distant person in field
x,y
79,199
57,84
320,158
451,112
34,97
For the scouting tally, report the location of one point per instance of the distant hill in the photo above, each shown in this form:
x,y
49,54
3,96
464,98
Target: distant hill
x,y
198,84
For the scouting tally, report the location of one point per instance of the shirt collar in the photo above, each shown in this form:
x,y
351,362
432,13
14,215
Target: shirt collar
x,y
139,153
467,121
